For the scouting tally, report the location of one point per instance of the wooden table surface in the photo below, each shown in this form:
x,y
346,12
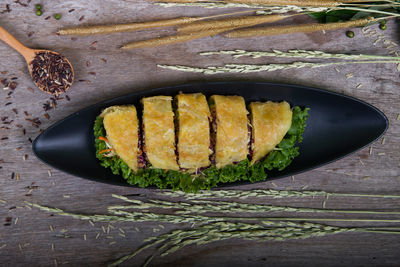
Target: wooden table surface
x,y
33,237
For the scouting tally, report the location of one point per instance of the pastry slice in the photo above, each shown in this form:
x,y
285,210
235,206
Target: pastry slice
x,y
122,128
270,122
193,130
159,132
230,131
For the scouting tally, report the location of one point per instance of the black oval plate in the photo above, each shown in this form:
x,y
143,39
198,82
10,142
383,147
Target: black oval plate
x,y
337,126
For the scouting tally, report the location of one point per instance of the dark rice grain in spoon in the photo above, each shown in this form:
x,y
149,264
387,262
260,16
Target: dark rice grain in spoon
x,y
51,72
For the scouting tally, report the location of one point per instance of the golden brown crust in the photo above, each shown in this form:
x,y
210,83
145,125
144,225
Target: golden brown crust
x,y
232,135
194,131
158,122
270,122
121,125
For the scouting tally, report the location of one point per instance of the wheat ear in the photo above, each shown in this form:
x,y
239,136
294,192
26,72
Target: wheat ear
x,y
304,28
174,39
136,26
237,22
300,3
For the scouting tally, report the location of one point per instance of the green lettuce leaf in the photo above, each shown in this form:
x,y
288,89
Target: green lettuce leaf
x,y
279,159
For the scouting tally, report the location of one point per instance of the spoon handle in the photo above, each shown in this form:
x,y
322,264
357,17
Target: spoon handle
x,y
6,37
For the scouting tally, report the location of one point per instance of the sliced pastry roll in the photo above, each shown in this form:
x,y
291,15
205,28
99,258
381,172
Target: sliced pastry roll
x,y
270,122
193,131
231,135
122,128
159,132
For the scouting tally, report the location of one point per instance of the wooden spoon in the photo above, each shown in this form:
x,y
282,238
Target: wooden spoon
x,y
30,54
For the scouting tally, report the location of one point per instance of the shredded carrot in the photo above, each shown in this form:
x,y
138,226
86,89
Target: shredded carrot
x,y
103,139
105,150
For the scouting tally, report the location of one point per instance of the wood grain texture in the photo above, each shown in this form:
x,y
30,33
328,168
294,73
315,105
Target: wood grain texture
x,y
112,72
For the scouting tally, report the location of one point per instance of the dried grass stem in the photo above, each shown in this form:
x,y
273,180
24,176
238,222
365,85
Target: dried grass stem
x,y
288,29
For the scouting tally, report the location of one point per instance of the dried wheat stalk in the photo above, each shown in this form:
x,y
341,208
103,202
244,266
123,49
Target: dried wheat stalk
x,y
302,28
136,26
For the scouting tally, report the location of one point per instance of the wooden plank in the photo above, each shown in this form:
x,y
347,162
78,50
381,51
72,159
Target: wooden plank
x,y
119,72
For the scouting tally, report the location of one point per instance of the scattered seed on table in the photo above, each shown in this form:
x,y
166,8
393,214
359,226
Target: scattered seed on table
x,y
71,10
381,154
17,176
55,263
398,117
3,201
349,75
121,230
109,237
91,223
52,246
359,85
20,247
274,184
16,220
3,246
370,150
49,173
112,243
81,18
121,234
383,141
137,229
292,178
74,38
104,229
97,236
84,237
350,34
366,177
51,228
